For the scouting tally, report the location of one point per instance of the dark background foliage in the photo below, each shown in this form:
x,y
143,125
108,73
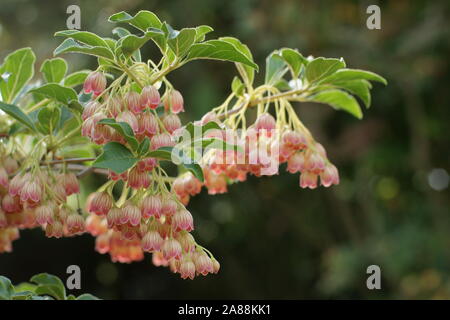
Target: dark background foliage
x,y
273,239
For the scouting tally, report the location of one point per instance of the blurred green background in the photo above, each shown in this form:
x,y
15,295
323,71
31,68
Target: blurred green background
x,y
273,239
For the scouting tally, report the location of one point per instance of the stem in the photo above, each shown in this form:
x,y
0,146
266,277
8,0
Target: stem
x,y
70,160
123,196
68,136
131,75
163,73
273,98
38,105
287,94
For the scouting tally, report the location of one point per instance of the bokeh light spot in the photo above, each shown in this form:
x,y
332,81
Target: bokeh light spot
x,y
107,273
387,188
438,179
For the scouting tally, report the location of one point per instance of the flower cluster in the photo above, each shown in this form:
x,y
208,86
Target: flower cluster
x,y
138,110
260,150
148,216
36,197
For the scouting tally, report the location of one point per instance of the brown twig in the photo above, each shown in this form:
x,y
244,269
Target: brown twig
x,y
252,103
69,160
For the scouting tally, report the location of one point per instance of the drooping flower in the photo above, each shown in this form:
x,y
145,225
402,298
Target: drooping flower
x,y
172,122
138,179
90,109
45,213
149,98
16,184
187,269
115,217
99,203
132,102
147,124
329,176
54,230
4,180
70,183
10,165
314,162
182,220
203,264
31,193
151,206
161,140
168,206
308,180
265,124
132,214
171,249
174,102
130,119
148,164
296,162
96,225
294,140
75,224
216,266
95,82
152,241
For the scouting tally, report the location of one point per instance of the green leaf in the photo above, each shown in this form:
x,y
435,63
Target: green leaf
x,y
219,50
282,85
216,143
250,71
196,170
275,68
66,115
339,100
88,38
131,43
56,92
237,87
19,65
120,32
77,151
142,20
84,98
17,114
360,88
41,298
48,119
198,131
87,296
6,288
76,105
182,41
50,290
124,129
143,146
320,68
354,74
70,45
115,157
25,286
76,78
294,60
49,285
54,70
201,31
23,295
111,43
163,153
